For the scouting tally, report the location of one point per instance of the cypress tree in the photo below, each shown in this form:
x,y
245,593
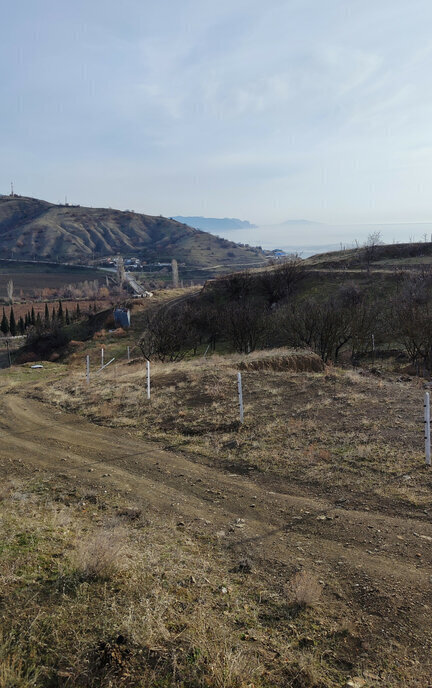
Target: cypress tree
x,y
78,311
67,317
12,323
53,316
4,326
38,322
21,325
46,316
26,320
60,312
33,317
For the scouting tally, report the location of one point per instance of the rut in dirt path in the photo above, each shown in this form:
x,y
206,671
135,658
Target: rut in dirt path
x,y
351,550
35,436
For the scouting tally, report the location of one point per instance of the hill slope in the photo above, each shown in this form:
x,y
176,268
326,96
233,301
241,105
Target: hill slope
x,y
35,229
214,224
379,256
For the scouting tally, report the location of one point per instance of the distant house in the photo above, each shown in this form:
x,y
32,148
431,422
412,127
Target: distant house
x,y
122,317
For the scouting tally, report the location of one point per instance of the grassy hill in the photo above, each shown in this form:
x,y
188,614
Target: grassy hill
x,y
384,256
35,229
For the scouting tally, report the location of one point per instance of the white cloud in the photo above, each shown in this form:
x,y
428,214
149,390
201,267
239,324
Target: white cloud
x,y
295,108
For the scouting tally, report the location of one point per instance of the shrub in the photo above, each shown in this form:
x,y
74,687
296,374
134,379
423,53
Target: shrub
x,y
100,556
305,589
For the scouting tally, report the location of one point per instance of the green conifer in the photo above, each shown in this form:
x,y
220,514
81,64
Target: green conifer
x,y
4,326
12,323
60,314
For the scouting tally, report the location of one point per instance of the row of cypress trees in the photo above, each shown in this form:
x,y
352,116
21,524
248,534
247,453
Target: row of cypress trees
x,y
57,318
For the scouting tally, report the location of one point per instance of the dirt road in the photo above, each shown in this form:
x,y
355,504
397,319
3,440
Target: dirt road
x,y
378,565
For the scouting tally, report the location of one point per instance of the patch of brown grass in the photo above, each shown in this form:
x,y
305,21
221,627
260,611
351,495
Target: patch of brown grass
x,y
305,589
100,555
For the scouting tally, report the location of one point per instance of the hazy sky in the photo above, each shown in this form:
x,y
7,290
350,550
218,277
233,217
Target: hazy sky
x,y
318,109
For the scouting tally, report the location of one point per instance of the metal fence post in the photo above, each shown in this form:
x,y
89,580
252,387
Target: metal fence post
x,y
240,396
427,435
88,369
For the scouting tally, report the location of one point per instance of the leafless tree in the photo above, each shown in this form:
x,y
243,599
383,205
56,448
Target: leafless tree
x,y
282,281
370,248
410,317
168,335
244,325
9,290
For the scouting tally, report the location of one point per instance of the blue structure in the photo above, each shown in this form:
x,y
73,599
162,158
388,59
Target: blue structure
x,y
122,317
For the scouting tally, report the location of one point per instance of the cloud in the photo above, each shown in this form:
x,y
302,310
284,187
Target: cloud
x,y
295,108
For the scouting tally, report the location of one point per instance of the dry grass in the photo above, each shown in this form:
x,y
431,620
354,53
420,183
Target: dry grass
x,y
165,623
305,589
295,361
101,555
319,429
114,596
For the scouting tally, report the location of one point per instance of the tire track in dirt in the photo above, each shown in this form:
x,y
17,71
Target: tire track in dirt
x,y
378,561
59,442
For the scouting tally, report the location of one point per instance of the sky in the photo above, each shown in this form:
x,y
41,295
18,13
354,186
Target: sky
x,y
316,109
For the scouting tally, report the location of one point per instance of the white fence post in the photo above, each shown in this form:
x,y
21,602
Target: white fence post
x,y
128,353
240,396
148,379
102,357
88,369
427,419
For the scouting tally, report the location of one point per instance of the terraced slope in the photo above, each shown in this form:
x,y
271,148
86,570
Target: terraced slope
x,y
34,229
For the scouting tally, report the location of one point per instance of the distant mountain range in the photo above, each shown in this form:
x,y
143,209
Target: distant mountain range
x,y
34,229
213,224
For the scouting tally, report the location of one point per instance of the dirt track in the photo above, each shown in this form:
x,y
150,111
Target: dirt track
x,y
379,564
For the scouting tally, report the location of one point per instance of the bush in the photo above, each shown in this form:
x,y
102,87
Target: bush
x,y
305,589
47,342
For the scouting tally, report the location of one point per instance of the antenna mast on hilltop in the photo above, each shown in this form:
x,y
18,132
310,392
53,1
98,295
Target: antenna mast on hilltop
x,y
12,191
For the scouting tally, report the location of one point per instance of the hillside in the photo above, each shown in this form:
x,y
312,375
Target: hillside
x,y
379,256
213,224
35,229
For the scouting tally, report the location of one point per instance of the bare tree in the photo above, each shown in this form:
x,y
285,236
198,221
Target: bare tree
x,y
370,248
324,326
282,281
168,335
245,325
9,290
410,318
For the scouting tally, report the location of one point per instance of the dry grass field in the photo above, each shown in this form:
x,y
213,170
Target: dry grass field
x,y
161,543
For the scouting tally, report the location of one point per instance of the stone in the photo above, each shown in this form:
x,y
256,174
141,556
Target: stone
x,y
355,682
